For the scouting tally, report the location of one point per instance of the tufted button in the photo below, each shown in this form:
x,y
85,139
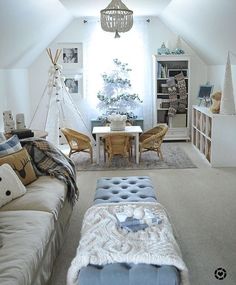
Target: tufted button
x,y
115,192
105,198
116,182
124,187
106,187
134,191
142,196
142,186
132,182
124,196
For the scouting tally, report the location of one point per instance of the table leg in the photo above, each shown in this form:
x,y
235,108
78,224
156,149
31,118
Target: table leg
x,y
98,147
137,148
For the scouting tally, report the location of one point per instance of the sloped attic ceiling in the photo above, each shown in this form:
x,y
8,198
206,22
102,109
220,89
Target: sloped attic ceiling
x,y
27,27
91,8
208,26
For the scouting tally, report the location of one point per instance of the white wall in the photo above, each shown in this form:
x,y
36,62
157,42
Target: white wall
x,y
77,32
14,92
3,98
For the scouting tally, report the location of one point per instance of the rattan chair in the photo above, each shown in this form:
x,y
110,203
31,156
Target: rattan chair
x,y
78,142
152,139
117,144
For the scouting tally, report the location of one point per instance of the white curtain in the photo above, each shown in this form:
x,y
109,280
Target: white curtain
x,y
99,51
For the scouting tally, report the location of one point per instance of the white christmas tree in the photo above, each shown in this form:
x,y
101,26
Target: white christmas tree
x,y
227,105
115,96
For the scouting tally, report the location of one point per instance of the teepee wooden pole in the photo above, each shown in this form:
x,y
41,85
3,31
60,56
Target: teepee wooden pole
x,y
57,55
50,54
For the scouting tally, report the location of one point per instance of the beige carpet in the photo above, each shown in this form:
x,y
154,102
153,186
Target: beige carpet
x,y
201,205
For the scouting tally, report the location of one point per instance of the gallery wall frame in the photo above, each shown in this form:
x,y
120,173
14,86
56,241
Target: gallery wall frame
x,y
71,57
74,83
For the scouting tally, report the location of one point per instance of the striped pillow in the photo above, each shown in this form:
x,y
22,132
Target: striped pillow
x,y
10,146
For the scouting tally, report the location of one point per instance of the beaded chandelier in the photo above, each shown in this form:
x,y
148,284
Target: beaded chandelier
x,y
116,18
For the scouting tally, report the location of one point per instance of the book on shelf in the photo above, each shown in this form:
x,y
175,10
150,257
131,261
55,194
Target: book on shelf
x,y
23,133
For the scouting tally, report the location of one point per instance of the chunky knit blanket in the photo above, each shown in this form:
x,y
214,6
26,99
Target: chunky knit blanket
x,y
49,160
103,242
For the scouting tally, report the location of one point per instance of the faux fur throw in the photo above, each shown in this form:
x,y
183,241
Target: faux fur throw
x,y
49,160
103,242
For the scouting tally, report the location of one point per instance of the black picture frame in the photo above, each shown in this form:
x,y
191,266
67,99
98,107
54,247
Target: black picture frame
x,y
205,91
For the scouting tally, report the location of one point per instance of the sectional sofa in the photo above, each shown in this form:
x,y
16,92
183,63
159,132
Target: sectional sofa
x,y
32,230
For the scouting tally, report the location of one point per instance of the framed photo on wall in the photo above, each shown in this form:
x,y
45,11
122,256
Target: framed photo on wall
x,y
74,84
71,56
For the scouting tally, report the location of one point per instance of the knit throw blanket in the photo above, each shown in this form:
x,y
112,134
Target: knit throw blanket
x,y
49,160
103,242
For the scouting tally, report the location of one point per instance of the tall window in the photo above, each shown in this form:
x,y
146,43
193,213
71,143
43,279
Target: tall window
x,y
99,52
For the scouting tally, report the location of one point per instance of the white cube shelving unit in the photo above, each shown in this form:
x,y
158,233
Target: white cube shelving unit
x,y
214,135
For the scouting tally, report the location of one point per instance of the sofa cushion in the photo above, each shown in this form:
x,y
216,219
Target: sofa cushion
x,y
24,238
10,185
45,194
10,146
21,163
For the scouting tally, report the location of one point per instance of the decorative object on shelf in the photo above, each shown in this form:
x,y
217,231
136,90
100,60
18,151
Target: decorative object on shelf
x,y
215,105
118,122
205,93
163,50
115,98
20,121
227,105
116,18
178,49
9,123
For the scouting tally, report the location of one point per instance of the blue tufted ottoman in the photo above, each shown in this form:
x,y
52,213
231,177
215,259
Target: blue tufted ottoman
x,y
124,189
130,189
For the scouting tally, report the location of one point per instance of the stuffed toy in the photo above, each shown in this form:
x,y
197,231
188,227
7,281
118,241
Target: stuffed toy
x,y
215,99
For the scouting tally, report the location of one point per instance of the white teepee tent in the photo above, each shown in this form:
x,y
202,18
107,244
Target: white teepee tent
x,y
56,108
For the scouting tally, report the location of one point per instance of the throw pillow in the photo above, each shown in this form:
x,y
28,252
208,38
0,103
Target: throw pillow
x,y
21,164
10,146
10,185
2,137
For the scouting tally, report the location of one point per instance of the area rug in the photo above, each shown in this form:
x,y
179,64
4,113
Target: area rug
x,y
174,157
